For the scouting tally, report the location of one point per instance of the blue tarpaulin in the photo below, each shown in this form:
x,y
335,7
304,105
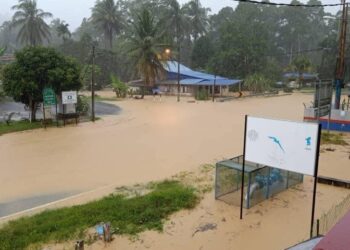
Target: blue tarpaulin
x,y
191,77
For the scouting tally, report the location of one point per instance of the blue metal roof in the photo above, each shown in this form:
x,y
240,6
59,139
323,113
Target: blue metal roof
x,y
295,75
191,77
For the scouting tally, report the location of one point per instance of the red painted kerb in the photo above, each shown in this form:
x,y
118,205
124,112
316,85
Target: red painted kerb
x,y
338,238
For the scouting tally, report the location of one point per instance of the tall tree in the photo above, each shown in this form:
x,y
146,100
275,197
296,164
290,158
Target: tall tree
x,y
107,16
145,47
36,68
198,18
63,31
33,29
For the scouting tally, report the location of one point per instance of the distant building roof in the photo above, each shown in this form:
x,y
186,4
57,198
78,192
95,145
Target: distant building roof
x,y
295,75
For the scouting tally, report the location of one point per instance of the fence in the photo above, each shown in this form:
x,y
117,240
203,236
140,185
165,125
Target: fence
x,y
328,220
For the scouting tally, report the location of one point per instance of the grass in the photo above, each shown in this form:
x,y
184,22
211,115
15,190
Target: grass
x,y
18,126
127,216
333,138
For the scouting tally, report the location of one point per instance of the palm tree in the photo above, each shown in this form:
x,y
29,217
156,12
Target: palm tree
x,y
63,31
145,47
107,17
198,18
33,29
175,18
301,64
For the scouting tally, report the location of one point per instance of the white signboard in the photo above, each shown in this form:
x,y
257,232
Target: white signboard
x,y
285,145
69,97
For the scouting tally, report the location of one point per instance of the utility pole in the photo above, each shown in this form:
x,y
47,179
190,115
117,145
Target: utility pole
x,y
214,88
178,58
93,85
340,70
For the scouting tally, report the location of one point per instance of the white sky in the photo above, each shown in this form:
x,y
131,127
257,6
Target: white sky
x,y
73,11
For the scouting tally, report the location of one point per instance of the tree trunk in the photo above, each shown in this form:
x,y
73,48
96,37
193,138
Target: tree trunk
x,y
32,110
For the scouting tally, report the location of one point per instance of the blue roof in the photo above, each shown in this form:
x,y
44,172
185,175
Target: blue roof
x,y
191,77
295,75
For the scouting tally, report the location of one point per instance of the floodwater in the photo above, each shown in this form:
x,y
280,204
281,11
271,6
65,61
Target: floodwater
x,y
152,140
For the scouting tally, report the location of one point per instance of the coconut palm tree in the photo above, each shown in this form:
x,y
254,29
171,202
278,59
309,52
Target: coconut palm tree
x,y
63,31
107,17
198,18
145,47
30,20
175,18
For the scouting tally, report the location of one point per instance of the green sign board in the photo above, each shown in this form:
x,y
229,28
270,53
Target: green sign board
x,y
49,97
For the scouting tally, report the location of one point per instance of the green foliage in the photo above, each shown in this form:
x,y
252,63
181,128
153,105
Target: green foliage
x,y
30,20
2,51
18,126
203,50
63,31
83,105
127,216
86,76
120,88
257,83
145,47
36,68
333,138
107,17
202,95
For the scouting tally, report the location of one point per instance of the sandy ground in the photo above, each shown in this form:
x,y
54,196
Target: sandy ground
x,y
152,140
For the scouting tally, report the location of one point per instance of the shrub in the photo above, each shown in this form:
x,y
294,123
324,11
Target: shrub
x,y
120,88
202,95
83,105
257,83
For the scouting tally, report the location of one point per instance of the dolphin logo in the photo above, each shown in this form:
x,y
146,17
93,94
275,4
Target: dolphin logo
x,y
275,140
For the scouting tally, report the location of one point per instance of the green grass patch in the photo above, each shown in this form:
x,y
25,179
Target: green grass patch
x,y
333,138
18,126
127,216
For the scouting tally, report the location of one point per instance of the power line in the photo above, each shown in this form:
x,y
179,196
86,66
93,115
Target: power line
x,y
289,4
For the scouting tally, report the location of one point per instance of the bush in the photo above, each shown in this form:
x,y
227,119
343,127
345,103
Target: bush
x,y
257,83
120,88
202,95
83,105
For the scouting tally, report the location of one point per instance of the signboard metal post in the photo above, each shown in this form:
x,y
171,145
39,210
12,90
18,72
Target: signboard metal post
x,y
315,180
243,167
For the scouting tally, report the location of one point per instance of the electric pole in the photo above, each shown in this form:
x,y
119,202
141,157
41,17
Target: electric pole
x,y
93,85
340,69
178,58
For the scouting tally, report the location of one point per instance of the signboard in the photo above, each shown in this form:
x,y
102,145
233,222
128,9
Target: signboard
x,y
285,145
323,98
69,97
49,97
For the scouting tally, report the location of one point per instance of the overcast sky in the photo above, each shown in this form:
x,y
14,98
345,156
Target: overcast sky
x,y
73,11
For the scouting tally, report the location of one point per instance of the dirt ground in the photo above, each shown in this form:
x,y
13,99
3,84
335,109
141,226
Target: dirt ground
x,y
152,140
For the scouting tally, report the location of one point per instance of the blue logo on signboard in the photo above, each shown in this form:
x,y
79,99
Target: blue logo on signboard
x,y
308,141
277,141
